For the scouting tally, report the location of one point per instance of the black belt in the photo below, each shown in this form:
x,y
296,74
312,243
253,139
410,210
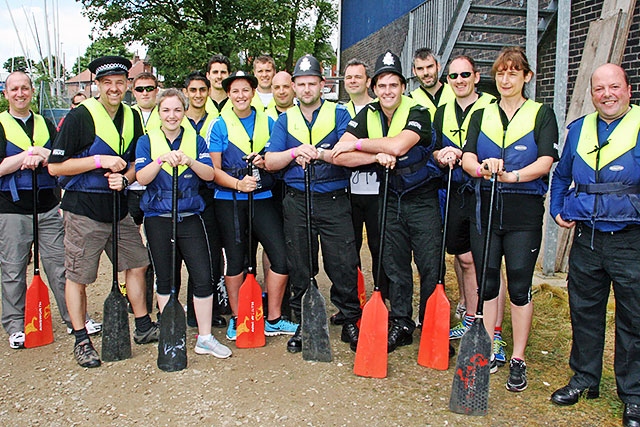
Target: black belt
x,y
628,229
336,193
607,188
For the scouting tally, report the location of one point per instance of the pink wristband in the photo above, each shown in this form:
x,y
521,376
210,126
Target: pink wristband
x,y
479,171
96,160
159,161
30,151
293,153
359,145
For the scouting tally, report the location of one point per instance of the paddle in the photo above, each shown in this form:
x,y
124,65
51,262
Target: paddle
x,y
38,329
371,353
470,389
250,326
172,341
116,342
434,341
315,331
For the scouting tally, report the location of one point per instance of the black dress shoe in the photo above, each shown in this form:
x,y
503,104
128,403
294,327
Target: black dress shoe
x,y
398,336
452,351
294,345
350,334
218,321
337,319
631,415
569,395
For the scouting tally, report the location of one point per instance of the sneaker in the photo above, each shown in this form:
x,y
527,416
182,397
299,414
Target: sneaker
x,y
493,365
90,325
231,329
86,355
147,337
461,310
517,375
16,340
498,351
283,327
212,346
458,331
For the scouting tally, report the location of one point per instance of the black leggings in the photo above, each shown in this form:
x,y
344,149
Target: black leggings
x,y
520,250
233,219
193,248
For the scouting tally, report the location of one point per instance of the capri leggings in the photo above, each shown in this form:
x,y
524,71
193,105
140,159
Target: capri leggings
x,y
193,248
233,220
520,249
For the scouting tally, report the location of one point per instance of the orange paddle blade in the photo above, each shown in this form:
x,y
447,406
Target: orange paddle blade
x,y
250,326
371,354
434,341
38,329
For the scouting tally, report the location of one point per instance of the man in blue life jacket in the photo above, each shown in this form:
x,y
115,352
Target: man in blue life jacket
x,y
304,134
396,132
93,155
25,144
601,157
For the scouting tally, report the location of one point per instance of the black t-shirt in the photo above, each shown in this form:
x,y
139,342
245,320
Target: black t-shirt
x,y
47,198
518,211
76,135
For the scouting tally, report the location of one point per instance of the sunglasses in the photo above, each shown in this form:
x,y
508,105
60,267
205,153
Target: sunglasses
x,y
464,75
141,89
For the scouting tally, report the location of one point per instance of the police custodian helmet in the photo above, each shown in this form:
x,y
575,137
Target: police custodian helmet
x,y
307,66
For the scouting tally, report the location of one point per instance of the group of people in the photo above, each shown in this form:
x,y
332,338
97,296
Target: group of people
x,y
208,132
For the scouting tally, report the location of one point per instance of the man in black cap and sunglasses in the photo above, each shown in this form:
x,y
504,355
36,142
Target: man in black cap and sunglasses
x,y
93,155
395,132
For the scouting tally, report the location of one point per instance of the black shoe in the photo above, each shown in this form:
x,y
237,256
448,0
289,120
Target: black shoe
x,y
218,321
336,319
398,336
350,334
294,345
631,415
192,322
569,395
452,351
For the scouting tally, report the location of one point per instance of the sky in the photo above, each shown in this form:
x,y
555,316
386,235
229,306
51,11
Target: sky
x,y
74,29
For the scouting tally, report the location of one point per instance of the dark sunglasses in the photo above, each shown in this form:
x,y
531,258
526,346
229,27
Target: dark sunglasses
x,y
141,89
464,75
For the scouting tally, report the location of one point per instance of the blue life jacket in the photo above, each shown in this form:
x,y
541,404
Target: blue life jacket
x,y
17,142
606,173
108,141
157,199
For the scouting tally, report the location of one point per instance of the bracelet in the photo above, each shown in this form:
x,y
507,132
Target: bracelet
x,y
293,153
479,171
359,144
517,174
125,181
159,161
96,160
30,151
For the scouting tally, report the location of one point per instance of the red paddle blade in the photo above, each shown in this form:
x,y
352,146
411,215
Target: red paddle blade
x,y
434,341
38,329
250,326
371,354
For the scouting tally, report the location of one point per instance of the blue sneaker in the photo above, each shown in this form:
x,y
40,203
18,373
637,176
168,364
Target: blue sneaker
x,y
458,331
498,351
231,329
283,327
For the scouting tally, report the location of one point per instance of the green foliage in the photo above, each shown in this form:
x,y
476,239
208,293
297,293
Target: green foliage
x,y
101,46
181,35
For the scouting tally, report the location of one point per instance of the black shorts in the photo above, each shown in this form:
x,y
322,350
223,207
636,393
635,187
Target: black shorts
x,y
458,229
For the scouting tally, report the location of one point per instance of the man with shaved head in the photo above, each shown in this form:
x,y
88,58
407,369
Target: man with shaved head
x,y
282,88
601,156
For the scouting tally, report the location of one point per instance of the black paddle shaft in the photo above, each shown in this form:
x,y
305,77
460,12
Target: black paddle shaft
x,y
114,239
252,260
382,226
487,243
445,229
174,228
307,200
36,250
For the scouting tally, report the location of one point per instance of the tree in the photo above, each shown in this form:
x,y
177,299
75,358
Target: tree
x,y
17,63
181,35
101,46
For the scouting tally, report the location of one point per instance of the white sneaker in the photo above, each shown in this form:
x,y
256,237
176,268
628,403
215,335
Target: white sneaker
x,y
91,325
16,340
212,346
